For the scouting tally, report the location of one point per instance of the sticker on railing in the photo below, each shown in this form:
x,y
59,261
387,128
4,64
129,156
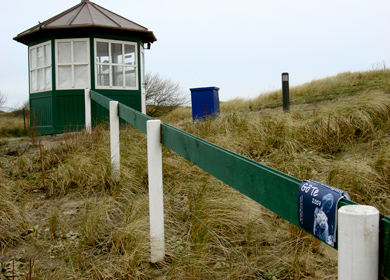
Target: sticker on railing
x,y
317,209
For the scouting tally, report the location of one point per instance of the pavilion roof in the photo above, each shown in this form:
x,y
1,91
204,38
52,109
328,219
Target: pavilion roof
x,y
87,14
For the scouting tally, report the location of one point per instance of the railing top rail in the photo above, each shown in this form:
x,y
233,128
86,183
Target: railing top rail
x,y
133,117
101,99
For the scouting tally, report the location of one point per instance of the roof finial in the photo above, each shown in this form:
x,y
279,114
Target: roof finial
x,y
84,1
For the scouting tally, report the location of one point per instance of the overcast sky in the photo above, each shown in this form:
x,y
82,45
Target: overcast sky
x,y
242,47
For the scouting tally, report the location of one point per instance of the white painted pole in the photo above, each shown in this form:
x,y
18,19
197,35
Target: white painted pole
x,y
143,103
114,140
88,122
156,203
358,242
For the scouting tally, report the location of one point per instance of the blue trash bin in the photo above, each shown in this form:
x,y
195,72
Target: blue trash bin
x,y
205,102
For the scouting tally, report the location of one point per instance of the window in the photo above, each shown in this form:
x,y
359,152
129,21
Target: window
x,y
40,67
116,64
72,62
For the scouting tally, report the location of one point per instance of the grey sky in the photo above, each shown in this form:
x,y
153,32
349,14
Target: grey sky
x,y
242,47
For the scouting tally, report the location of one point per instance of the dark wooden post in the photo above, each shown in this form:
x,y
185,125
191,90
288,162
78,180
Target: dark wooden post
x,y
24,118
286,92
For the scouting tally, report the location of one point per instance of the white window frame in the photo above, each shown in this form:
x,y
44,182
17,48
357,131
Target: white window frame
x,y
72,64
110,64
46,65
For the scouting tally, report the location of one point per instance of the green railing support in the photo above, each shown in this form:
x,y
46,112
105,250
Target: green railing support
x,y
265,185
134,117
101,99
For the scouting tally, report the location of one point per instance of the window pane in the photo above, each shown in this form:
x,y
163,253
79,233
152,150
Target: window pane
x,y
80,51
34,80
33,58
65,76
102,75
116,56
130,54
117,76
116,53
40,56
81,76
41,83
47,55
48,77
102,52
130,77
64,52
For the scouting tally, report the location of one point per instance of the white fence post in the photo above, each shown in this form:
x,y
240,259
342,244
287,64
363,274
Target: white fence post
x,y
114,140
156,203
88,122
358,242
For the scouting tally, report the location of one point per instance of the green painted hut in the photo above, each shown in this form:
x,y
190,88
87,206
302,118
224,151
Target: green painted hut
x,y
86,46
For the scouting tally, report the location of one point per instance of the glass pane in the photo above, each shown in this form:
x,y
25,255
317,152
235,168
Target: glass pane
x,y
34,80
40,56
81,76
130,54
48,77
47,55
130,77
116,53
102,52
80,50
64,52
117,76
64,76
33,58
103,75
41,79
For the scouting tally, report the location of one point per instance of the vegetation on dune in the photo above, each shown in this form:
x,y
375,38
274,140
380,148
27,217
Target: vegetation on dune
x,y
330,88
60,208
12,124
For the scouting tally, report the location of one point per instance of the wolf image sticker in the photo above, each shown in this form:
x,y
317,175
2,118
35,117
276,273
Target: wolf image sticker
x,y
317,209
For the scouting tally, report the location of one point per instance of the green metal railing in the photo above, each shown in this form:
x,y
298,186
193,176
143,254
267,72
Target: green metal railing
x,y
269,187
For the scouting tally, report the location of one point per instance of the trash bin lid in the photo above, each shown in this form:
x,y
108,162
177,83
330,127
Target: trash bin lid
x,y
204,88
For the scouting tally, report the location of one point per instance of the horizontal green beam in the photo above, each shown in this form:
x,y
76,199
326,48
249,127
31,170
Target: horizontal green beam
x,y
101,99
134,117
269,187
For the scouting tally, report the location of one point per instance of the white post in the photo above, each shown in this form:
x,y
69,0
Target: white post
x,y
114,140
88,122
358,242
143,103
156,203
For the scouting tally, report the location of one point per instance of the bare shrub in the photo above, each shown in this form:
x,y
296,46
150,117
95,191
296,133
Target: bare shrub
x,y
162,95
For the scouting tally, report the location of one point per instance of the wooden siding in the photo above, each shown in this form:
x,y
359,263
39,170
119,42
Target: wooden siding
x,y
41,117
70,110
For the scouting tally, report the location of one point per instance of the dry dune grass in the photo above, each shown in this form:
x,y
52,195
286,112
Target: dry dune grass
x,y
13,221
12,124
343,84
59,206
